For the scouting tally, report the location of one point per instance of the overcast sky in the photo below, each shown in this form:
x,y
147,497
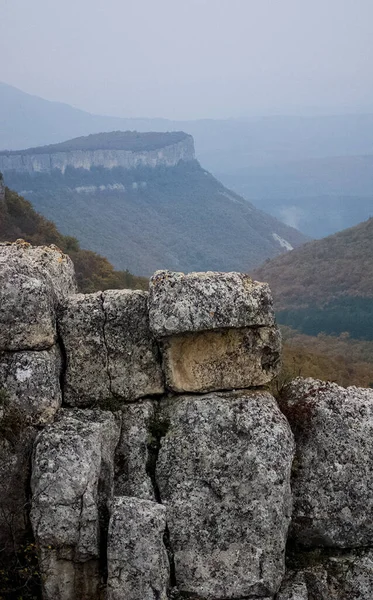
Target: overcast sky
x,y
191,58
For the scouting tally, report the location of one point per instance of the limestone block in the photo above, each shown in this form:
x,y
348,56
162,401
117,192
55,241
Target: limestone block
x,y
132,457
110,351
194,302
138,566
81,323
32,283
219,360
333,469
31,382
134,361
348,576
223,473
72,483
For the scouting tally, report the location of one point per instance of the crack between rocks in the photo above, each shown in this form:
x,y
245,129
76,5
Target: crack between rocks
x,y
102,298
63,354
157,430
18,350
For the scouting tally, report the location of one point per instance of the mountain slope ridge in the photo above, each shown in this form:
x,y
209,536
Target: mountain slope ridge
x,y
326,285
155,216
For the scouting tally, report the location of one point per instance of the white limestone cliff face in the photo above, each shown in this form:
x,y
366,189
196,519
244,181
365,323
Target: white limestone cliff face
x,y
140,489
168,156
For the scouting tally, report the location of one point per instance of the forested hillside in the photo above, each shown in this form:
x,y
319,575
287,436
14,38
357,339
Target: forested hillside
x,y
18,219
146,218
326,285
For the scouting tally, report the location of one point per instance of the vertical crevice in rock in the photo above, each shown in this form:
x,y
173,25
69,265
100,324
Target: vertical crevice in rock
x,y
63,368
107,366
104,517
158,428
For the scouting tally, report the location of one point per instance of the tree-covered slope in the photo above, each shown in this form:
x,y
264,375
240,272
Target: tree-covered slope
x,y
143,219
18,220
326,285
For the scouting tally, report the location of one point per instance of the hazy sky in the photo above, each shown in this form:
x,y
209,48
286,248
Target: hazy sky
x,y
191,58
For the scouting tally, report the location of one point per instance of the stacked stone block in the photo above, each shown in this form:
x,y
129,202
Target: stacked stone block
x,y
162,466
33,283
331,534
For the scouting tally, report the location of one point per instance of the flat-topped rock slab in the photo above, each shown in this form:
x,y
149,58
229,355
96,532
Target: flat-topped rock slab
x,y
195,302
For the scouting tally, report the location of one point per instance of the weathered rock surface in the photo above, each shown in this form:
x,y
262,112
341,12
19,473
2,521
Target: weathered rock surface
x,y
293,587
133,356
81,324
224,359
138,566
333,468
32,283
72,483
348,576
110,351
132,454
16,441
194,302
223,473
31,382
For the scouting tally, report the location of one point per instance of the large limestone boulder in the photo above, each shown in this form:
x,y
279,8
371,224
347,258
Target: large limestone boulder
x,y
134,362
33,281
134,456
348,576
220,360
31,384
111,354
223,473
194,302
72,484
138,566
81,323
333,469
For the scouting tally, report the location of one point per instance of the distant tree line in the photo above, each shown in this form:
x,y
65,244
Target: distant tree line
x,y
344,314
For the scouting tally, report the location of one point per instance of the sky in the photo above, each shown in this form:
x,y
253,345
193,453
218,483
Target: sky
x,y
188,59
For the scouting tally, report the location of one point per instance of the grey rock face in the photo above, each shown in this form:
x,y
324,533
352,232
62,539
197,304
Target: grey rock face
x,y
224,359
137,559
132,453
72,482
293,587
333,468
16,441
342,577
169,156
194,302
31,381
81,324
32,283
133,356
109,348
223,473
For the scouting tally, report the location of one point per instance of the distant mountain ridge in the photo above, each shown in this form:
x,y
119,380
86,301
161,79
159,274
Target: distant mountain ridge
x,y
295,168
127,150
326,285
153,209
